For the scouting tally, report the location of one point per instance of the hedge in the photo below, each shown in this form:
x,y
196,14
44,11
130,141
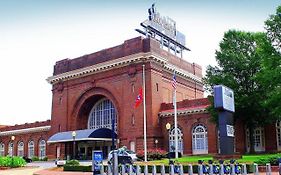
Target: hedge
x,y
12,162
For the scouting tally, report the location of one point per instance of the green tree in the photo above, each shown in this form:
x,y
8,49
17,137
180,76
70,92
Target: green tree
x,y
239,62
271,65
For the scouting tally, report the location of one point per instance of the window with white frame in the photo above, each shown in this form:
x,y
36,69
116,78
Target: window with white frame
x,y
20,149
258,135
11,149
30,149
172,140
199,139
2,149
42,149
102,114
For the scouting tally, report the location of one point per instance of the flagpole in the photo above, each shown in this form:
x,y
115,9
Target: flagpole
x,y
176,122
144,115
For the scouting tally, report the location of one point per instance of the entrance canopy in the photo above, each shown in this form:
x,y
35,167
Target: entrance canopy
x,y
104,134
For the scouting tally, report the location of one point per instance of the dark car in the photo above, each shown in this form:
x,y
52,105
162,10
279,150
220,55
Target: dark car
x,y
28,160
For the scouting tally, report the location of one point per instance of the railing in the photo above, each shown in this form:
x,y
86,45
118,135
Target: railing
x,y
200,169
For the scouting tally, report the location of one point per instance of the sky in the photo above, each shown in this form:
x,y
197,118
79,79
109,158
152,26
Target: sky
x,y
34,34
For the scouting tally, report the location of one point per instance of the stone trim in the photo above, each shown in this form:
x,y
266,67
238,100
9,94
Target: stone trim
x,y
24,131
121,62
183,112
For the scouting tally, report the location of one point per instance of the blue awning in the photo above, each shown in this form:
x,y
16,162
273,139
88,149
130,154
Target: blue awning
x,y
86,134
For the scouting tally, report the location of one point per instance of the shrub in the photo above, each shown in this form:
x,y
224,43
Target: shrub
x,y
77,168
44,159
35,158
12,162
273,160
72,162
152,154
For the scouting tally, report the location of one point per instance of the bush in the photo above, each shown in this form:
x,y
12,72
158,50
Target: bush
x,y
12,162
72,163
152,154
77,168
44,159
273,160
35,158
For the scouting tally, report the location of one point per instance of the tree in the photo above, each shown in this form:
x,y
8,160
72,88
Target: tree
x,y
270,75
239,63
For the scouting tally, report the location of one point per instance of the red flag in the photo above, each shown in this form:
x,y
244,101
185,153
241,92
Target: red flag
x,y
138,99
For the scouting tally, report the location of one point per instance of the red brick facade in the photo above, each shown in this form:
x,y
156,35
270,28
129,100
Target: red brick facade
x,y
116,74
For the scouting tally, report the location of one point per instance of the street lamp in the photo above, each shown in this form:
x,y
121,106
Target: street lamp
x,y
156,142
12,150
168,127
73,136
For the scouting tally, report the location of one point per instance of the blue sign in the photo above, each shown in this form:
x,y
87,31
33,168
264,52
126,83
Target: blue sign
x,y
97,157
224,98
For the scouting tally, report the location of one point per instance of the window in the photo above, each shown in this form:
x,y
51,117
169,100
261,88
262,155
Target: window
x,y
199,140
258,135
2,149
102,114
20,149
11,149
133,146
172,140
30,149
42,149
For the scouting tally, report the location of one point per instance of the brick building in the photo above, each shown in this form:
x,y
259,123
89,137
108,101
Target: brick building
x,y
92,91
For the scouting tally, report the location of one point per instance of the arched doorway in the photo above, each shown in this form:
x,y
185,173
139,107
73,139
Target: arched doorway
x,y
172,140
199,139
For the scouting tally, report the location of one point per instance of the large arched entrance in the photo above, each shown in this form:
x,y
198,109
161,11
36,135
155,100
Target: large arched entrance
x,y
102,115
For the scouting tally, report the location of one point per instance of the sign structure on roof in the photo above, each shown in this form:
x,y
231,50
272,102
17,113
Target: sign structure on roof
x,y
163,29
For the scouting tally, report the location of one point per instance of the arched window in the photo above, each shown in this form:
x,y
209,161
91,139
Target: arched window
x,y
30,149
199,140
278,134
42,149
102,114
259,143
11,149
20,149
2,149
172,140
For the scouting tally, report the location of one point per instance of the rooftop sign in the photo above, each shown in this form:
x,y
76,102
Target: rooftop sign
x,y
164,29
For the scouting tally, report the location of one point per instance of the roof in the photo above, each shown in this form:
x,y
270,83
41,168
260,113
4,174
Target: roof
x,y
184,111
86,134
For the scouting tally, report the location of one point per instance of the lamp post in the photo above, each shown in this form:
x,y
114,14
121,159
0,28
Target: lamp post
x,y
156,142
168,127
12,150
73,136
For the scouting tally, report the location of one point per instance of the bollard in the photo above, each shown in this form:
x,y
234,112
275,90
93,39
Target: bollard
x,y
145,170
256,169
172,171
190,169
138,170
153,170
109,169
268,169
200,169
163,170
244,169
221,169
181,170
232,170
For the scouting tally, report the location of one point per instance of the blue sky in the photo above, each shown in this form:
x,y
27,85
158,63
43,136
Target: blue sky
x,y
36,34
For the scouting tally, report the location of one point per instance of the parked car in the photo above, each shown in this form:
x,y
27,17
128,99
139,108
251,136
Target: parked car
x,y
124,156
28,160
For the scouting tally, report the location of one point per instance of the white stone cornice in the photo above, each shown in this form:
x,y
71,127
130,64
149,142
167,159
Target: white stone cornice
x,y
120,62
183,112
25,131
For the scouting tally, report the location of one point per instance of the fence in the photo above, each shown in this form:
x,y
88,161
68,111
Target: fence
x,y
200,169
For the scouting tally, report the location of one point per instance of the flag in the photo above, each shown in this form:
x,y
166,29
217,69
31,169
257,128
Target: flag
x,y
174,82
138,99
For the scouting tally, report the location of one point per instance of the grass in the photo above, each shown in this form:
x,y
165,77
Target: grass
x,y
249,158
